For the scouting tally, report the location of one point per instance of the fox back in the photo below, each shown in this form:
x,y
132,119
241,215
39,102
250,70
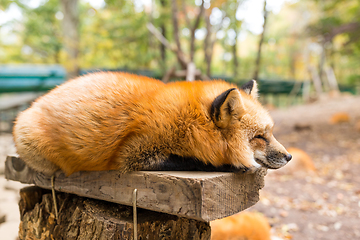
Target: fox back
x,y
107,121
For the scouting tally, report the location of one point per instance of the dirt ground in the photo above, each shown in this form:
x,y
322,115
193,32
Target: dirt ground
x,y
325,205
9,194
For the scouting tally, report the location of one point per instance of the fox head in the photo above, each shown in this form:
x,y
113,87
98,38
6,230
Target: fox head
x,y
247,129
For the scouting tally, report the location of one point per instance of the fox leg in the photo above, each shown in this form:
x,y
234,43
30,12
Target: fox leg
x,y
178,163
172,162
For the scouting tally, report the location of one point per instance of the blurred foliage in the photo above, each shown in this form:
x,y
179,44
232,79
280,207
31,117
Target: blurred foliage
x,y
115,36
4,4
338,27
42,32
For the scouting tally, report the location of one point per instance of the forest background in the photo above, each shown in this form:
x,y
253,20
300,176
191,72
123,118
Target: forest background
x,y
304,35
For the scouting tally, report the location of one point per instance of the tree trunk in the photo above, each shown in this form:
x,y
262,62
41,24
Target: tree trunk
x,y
163,49
193,29
71,35
57,54
258,57
292,62
322,61
190,72
174,16
83,218
235,58
207,45
163,31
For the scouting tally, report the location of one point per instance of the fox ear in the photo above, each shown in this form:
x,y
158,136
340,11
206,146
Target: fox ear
x,y
225,106
250,88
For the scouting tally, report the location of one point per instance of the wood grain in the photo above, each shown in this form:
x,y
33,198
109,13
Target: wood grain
x,y
83,218
203,196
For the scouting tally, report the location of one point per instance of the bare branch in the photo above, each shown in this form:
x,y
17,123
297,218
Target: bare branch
x,y
176,33
166,43
258,57
190,71
204,77
207,44
210,40
71,35
168,74
160,37
349,27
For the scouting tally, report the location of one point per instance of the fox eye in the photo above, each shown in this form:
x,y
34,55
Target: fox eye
x,y
260,137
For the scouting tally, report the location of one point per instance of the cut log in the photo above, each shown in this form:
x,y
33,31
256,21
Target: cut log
x,y
83,218
202,196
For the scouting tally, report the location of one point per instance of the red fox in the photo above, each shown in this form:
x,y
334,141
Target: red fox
x,y
108,121
340,117
242,226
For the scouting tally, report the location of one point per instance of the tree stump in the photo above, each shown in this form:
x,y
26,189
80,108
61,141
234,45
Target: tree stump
x,y
97,205
84,218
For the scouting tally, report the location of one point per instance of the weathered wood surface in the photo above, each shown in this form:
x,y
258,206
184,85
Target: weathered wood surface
x,y
198,195
83,218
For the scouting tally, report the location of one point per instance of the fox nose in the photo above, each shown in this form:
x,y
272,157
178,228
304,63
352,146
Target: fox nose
x,y
288,157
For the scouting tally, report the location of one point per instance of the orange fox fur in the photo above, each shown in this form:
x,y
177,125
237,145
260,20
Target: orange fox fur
x,y
107,121
242,226
340,117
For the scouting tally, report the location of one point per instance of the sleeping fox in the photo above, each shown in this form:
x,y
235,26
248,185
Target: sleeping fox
x,y
108,121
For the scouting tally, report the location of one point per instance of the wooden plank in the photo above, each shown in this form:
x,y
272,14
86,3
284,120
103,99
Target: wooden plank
x,y
198,195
